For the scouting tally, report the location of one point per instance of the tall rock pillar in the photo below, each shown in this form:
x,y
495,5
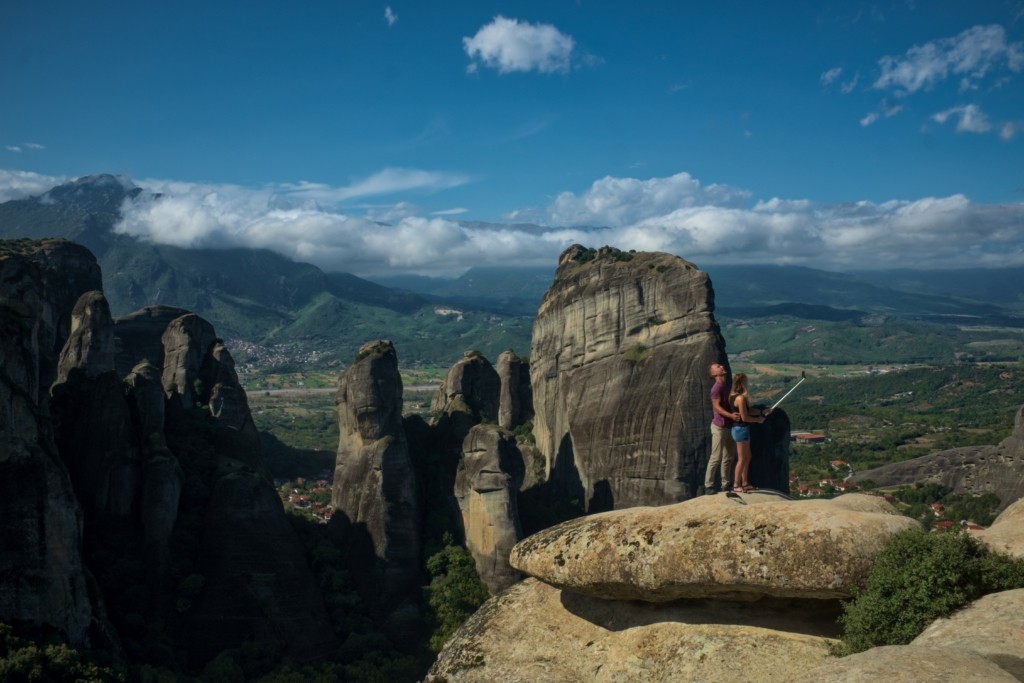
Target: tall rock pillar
x,y
618,367
374,497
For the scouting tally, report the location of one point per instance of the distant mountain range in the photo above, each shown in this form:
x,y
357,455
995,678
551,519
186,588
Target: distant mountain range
x,y
766,311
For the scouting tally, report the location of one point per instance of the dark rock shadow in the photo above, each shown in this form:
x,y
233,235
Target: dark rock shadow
x,y
602,500
807,617
556,500
565,477
769,463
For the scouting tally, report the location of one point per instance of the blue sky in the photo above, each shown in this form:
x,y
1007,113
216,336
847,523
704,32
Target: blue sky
x,y
372,137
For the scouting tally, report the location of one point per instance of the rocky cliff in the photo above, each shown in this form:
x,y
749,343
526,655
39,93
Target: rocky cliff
x,y
618,369
718,588
487,489
151,482
376,507
45,583
972,470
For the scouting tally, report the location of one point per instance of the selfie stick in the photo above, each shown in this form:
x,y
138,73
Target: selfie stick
x,y
802,378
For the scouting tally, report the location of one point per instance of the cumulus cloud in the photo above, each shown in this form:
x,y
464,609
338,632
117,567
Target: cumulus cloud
x,y
22,184
509,45
390,16
621,201
971,55
705,223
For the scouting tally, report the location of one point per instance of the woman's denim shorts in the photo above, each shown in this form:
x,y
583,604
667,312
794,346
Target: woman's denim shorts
x,y
740,433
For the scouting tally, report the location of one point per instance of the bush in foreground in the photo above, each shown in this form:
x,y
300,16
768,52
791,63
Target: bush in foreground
x,y
917,578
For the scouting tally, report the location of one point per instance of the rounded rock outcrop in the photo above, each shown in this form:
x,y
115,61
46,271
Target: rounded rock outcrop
x,y
735,548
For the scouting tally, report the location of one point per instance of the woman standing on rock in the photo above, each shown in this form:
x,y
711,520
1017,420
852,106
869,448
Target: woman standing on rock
x,y
739,399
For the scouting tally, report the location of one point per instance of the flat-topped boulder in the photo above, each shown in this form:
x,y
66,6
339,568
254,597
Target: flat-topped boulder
x,y
727,547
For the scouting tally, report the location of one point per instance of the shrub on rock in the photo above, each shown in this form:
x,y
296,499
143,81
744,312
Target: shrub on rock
x,y
917,578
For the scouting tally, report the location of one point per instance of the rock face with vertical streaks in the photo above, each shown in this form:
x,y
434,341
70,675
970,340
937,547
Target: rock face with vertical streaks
x,y
374,494
486,487
618,369
514,405
45,582
113,482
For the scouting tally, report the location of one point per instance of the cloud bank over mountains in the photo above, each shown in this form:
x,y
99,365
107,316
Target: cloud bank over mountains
x,y
706,224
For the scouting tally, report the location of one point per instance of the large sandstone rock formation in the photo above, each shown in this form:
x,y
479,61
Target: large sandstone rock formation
x,y
90,346
258,587
729,547
970,469
138,336
486,488
515,404
618,369
45,583
186,341
534,632
109,475
94,429
718,588
473,381
374,494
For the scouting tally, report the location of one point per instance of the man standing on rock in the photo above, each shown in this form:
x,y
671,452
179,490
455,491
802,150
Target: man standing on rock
x,y
723,448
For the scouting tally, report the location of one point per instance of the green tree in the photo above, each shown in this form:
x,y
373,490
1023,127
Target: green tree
x,y
24,661
455,591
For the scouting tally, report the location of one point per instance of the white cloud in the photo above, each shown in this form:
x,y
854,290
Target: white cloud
x,y
970,119
509,45
620,201
34,145
831,75
971,55
886,110
706,224
850,85
390,16
13,148
22,184
387,181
